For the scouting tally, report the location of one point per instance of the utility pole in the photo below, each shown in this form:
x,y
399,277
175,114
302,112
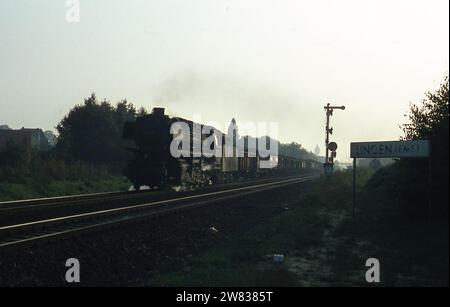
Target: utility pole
x,y
328,165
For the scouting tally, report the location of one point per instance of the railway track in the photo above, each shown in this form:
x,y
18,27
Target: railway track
x,y
66,224
18,205
20,212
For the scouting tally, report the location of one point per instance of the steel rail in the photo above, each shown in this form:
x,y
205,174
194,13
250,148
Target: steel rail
x,y
15,229
81,199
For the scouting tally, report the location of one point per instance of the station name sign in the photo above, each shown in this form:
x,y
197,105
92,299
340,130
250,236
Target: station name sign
x,y
390,149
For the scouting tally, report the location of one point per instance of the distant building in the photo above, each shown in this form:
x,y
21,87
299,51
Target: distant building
x,y
33,137
317,150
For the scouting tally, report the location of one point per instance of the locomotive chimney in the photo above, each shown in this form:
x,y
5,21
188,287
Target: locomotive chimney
x,y
158,111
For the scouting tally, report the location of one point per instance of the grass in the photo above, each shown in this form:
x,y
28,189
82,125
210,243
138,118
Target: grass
x,y
245,260
411,254
34,189
324,246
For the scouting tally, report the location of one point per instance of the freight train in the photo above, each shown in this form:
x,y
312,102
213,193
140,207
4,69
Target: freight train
x,y
154,165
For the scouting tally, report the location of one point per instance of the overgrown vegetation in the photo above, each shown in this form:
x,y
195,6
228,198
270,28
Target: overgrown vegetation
x,y
89,156
37,189
324,245
295,150
29,173
92,132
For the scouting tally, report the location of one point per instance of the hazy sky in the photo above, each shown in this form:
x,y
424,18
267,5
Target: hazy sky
x,y
275,61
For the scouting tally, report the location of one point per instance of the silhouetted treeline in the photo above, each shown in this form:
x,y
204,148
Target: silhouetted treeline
x,y
89,154
295,150
92,132
407,179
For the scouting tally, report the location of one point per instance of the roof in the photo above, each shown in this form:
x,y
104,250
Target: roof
x,y
25,136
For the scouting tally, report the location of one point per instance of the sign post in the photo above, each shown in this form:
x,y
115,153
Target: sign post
x,y
390,149
354,187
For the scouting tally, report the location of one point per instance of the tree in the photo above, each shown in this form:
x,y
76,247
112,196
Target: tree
x,y
430,121
406,181
142,112
124,112
92,132
295,150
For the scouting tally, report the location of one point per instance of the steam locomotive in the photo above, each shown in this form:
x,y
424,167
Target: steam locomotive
x,y
155,166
